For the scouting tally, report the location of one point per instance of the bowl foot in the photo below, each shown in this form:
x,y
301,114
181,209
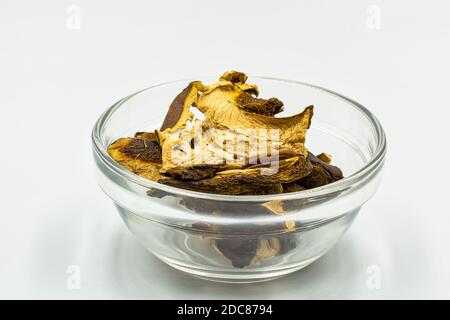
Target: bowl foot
x,y
239,276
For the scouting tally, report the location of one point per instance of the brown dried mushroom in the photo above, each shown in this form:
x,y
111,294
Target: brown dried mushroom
x,y
141,156
242,181
323,173
249,252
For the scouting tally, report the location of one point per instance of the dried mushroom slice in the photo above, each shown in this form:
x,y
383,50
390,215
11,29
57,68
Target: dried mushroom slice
x,y
194,172
234,77
324,157
249,252
247,98
179,113
275,188
221,104
228,185
267,248
142,149
179,159
276,207
187,156
265,107
241,253
239,79
226,105
243,181
292,187
244,251
140,156
322,173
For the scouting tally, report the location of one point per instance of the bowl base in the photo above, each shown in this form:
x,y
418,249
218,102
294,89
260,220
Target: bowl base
x,y
241,276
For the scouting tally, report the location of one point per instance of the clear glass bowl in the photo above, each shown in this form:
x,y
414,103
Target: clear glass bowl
x,y
243,243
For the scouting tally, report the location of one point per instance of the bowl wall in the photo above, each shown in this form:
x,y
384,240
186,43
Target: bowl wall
x,y
235,258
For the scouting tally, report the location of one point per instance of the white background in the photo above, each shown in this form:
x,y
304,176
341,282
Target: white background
x,y
55,81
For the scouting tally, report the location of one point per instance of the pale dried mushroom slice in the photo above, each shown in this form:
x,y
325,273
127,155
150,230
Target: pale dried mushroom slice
x,y
267,248
239,80
183,159
226,107
276,207
220,104
180,158
325,157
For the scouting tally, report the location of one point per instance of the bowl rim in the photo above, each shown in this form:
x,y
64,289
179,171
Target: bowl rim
x,y
337,186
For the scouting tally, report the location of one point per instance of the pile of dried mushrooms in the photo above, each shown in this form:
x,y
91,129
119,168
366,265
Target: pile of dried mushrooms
x,y
193,152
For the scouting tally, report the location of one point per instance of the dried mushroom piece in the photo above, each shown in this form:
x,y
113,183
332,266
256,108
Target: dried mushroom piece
x,y
265,107
179,114
240,252
325,157
277,207
186,155
322,173
138,155
275,188
179,159
274,246
234,77
243,181
292,187
233,242
142,149
231,115
175,125
220,104
244,253
247,98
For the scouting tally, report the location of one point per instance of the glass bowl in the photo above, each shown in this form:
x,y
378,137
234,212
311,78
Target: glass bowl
x,y
232,238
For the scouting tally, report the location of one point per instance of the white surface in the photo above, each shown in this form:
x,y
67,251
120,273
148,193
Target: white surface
x,y
56,81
